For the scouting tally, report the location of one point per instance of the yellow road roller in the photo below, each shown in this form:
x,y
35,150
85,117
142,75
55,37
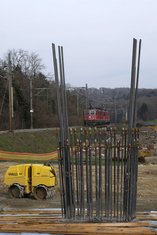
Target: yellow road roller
x,y
36,180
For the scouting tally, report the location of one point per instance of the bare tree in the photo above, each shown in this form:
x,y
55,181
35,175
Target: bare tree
x,y
29,63
30,66
35,64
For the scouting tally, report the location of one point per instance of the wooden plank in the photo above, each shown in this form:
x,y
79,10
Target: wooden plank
x,y
30,212
83,225
49,223
147,217
66,229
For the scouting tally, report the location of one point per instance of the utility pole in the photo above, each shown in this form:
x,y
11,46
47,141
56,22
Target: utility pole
x,y
77,104
31,102
86,96
11,112
115,109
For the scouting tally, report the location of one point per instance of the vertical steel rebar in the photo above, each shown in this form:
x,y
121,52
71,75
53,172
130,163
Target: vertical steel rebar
x,y
65,148
65,144
136,169
62,191
110,177
114,170
61,160
72,170
125,176
81,178
64,92
132,87
77,150
96,179
118,178
122,174
87,176
106,181
137,81
58,94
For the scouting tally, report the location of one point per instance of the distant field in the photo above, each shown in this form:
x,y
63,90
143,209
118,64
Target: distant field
x,y
45,141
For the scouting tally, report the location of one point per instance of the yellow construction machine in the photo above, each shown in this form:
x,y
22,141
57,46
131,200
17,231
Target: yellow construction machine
x,y
36,180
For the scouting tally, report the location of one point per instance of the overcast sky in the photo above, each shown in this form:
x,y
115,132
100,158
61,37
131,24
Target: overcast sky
x,y
96,36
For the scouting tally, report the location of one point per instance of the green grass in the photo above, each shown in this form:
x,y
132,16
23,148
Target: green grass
x,y
152,121
32,142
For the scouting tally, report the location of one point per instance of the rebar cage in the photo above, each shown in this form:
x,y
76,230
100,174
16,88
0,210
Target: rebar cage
x,y
98,174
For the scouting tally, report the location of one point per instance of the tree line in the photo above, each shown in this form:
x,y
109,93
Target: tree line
x,y
28,78
31,85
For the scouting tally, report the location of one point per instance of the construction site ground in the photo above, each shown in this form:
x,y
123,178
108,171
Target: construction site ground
x,y
33,216
30,215
146,192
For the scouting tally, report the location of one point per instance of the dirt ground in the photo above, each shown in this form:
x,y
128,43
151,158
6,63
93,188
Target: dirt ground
x,y
146,192
147,187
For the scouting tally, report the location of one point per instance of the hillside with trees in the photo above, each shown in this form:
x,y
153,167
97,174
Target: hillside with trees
x,y
28,77
30,84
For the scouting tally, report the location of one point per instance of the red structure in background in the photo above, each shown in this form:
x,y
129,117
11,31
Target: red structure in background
x,y
96,117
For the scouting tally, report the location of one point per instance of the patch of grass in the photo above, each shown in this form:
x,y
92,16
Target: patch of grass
x,y
32,161
32,142
152,121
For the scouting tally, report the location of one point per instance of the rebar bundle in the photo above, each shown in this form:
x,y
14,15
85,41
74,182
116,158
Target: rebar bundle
x,y
97,167
103,175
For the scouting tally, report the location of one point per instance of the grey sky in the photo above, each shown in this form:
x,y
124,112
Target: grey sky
x,y
96,35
